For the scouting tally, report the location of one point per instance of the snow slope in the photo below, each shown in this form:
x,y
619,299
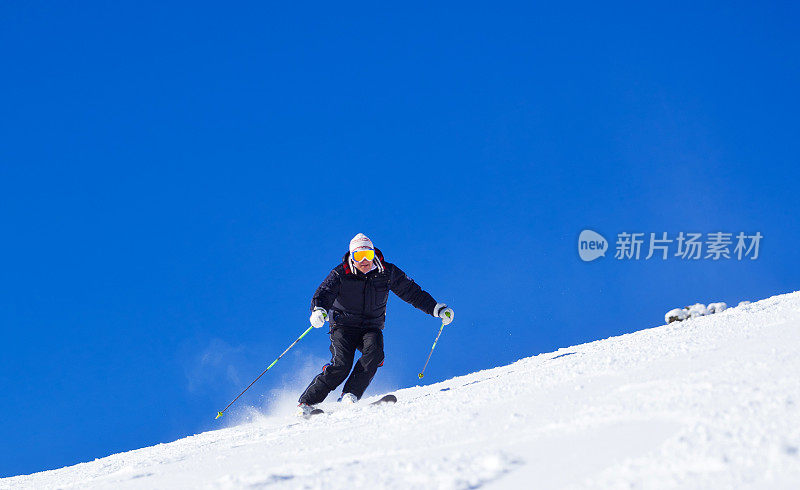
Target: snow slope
x,y
711,402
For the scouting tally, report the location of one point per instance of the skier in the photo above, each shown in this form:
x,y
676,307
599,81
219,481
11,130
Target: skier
x,y
353,297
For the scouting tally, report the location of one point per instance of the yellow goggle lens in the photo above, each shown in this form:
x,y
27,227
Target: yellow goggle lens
x,y
363,254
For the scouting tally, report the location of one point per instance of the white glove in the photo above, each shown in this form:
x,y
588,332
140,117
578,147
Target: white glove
x,y
318,317
444,312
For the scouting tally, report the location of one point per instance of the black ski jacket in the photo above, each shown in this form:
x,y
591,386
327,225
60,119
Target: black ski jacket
x,y
355,299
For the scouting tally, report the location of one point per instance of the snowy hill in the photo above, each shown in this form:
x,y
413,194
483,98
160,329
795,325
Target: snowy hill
x,y
711,402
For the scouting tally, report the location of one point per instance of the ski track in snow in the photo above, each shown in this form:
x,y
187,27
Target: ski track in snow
x,y
710,402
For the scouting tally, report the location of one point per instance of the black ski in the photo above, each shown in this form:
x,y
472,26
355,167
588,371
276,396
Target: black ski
x,y
385,399
316,411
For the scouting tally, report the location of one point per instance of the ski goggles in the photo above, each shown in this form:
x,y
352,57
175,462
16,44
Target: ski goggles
x,y
360,255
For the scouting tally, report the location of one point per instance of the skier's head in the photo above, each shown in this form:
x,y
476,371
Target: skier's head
x,y
362,253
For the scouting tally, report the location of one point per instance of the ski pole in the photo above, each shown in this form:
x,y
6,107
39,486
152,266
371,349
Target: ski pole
x,y
219,414
432,347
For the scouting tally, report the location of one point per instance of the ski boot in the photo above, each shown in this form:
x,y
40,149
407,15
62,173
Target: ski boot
x,y
348,398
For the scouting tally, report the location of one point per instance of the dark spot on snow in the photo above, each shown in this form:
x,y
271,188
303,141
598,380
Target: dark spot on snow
x,y
791,450
479,381
276,478
562,355
445,389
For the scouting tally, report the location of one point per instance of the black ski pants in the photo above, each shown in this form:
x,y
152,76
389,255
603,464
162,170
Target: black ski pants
x,y
344,343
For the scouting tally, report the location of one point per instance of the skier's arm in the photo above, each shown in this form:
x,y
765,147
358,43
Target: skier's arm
x,y
326,293
410,292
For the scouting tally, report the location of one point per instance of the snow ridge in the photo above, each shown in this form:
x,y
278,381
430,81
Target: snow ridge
x,y
710,402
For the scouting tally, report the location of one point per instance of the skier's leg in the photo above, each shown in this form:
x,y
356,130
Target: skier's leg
x,y
343,349
367,365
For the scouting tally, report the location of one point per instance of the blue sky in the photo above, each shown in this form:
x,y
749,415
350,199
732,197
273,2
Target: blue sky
x,y
176,179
